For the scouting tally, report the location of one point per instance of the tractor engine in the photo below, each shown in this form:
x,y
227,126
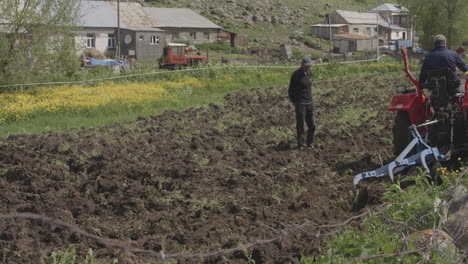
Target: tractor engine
x,y
446,99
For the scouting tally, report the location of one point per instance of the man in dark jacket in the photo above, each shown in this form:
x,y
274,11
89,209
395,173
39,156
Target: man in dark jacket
x,y
441,58
300,93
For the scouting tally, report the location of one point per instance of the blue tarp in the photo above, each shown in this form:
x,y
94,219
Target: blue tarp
x,y
406,43
112,63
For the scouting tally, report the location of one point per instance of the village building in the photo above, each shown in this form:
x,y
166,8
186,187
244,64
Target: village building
x,y
389,23
397,29
342,21
182,24
345,43
396,16
144,31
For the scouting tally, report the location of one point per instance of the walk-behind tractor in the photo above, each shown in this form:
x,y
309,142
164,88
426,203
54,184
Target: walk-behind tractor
x,y
426,131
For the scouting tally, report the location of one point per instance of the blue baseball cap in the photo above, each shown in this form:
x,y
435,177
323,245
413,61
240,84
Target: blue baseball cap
x,y
307,61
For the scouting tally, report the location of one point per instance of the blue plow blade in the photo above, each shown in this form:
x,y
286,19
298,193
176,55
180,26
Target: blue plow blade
x,y
425,155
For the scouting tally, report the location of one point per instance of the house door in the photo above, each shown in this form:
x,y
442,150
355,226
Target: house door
x,y
404,35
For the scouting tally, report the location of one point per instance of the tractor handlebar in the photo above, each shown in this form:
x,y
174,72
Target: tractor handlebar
x,y
410,75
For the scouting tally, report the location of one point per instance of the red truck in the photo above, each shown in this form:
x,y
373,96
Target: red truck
x,y
177,56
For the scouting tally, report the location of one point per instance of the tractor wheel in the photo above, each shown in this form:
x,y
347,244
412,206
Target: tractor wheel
x,y
435,173
401,133
458,130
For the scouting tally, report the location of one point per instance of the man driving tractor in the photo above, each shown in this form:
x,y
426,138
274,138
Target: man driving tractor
x,y
441,58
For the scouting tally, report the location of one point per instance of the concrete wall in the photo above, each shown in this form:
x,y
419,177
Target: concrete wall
x,y
143,48
364,30
366,44
353,45
192,35
141,43
342,45
100,40
324,32
360,29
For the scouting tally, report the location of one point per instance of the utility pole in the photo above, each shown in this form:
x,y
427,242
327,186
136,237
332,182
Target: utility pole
x,y
330,36
378,41
117,56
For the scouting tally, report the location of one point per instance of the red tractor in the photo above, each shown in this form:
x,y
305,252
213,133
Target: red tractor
x,y
177,56
425,130
441,121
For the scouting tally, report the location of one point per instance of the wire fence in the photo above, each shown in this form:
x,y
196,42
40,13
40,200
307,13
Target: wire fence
x,y
23,85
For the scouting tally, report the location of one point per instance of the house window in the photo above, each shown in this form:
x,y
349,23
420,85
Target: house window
x,y
90,40
397,34
154,40
404,20
176,51
207,35
175,35
368,30
356,30
395,20
142,37
110,40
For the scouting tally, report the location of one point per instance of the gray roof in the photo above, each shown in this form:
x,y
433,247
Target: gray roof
x,y
179,18
353,17
97,14
350,36
393,27
132,14
390,7
329,25
144,29
104,14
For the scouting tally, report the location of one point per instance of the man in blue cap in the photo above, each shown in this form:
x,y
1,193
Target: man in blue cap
x,y
300,93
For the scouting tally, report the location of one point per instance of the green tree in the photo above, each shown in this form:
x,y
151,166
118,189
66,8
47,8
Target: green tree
x,y
434,17
35,37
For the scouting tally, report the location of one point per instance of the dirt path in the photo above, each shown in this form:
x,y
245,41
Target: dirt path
x,y
200,180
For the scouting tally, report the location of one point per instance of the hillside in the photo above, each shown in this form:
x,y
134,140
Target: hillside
x,y
268,22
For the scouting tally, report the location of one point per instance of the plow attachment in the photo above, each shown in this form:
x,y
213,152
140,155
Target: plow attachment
x,y
424,155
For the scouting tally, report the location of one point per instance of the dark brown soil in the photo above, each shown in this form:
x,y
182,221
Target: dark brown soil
x,y
197,181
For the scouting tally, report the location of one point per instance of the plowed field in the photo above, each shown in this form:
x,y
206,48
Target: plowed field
x,y
197,181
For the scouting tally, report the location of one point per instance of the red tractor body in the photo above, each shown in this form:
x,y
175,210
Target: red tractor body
x,y
413,102
413,108
176,56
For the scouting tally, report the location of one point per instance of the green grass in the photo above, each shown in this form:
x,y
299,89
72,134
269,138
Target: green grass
x,y
213,92
384,230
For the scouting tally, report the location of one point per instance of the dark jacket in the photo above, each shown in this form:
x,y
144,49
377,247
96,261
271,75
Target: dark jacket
x,y
441,58
300,87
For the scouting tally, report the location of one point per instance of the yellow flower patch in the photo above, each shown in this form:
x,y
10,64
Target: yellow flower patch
x,y
76,98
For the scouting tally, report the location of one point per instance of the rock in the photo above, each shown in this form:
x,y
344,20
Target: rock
x,y
433,238
458,198
457,225
274,20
